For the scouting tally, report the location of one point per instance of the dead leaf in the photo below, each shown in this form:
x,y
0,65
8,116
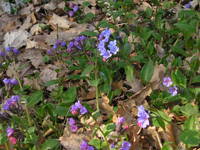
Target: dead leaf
x,y
105,106
136,85
144,6
33,83
158,74
50,6
160,50
47,74
139,97
66,35
16,38
36,29
33,55
26,11
60,22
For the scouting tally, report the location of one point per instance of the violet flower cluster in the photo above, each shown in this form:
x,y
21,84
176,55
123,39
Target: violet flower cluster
x,y
78,108
188,5
143,117
125,146
11,103
74,8
72,124
167,82
107,48
77,43
10,135
85,146
56,47
10,81
8,50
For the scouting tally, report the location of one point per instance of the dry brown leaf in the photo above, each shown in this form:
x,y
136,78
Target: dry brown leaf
x,y
36,29
9,23
160,50
66,35
33,83
158,74
105,106
47,74
60,22
26,11
16,38
33,55
136,85
139,97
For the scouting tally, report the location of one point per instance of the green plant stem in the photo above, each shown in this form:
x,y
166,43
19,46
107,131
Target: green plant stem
x,y
28,115
106,140
7,146
97,99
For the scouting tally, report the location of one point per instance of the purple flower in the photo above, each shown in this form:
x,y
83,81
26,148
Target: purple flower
x,y
167,81
13,81
121,120
9,131
16,51
63,44
78,108
6,81
71,13
173,90
143,117
75,8
72,124
8,49
71,121
15,98
73,128
83,110
125,146
10,102
85,146
188,5
105,35
112,145
113,47
50,52
2,53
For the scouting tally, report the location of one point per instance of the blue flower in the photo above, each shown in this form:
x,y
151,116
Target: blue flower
x,y
167,81
11,102
125,146
6,81
85,146
78,108
16,51
188,5
113,47
2,53
143,117
9,131
72,124
173,90
121,120
105,35
8,49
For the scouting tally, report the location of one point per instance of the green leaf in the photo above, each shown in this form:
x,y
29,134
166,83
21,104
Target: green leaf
x,y
196,79
89,33
109,128
94,82
35,98
96,143
52,82
50,144
86,72
190,137
70,95
129,73
179,78
61,110
147,71
88,17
